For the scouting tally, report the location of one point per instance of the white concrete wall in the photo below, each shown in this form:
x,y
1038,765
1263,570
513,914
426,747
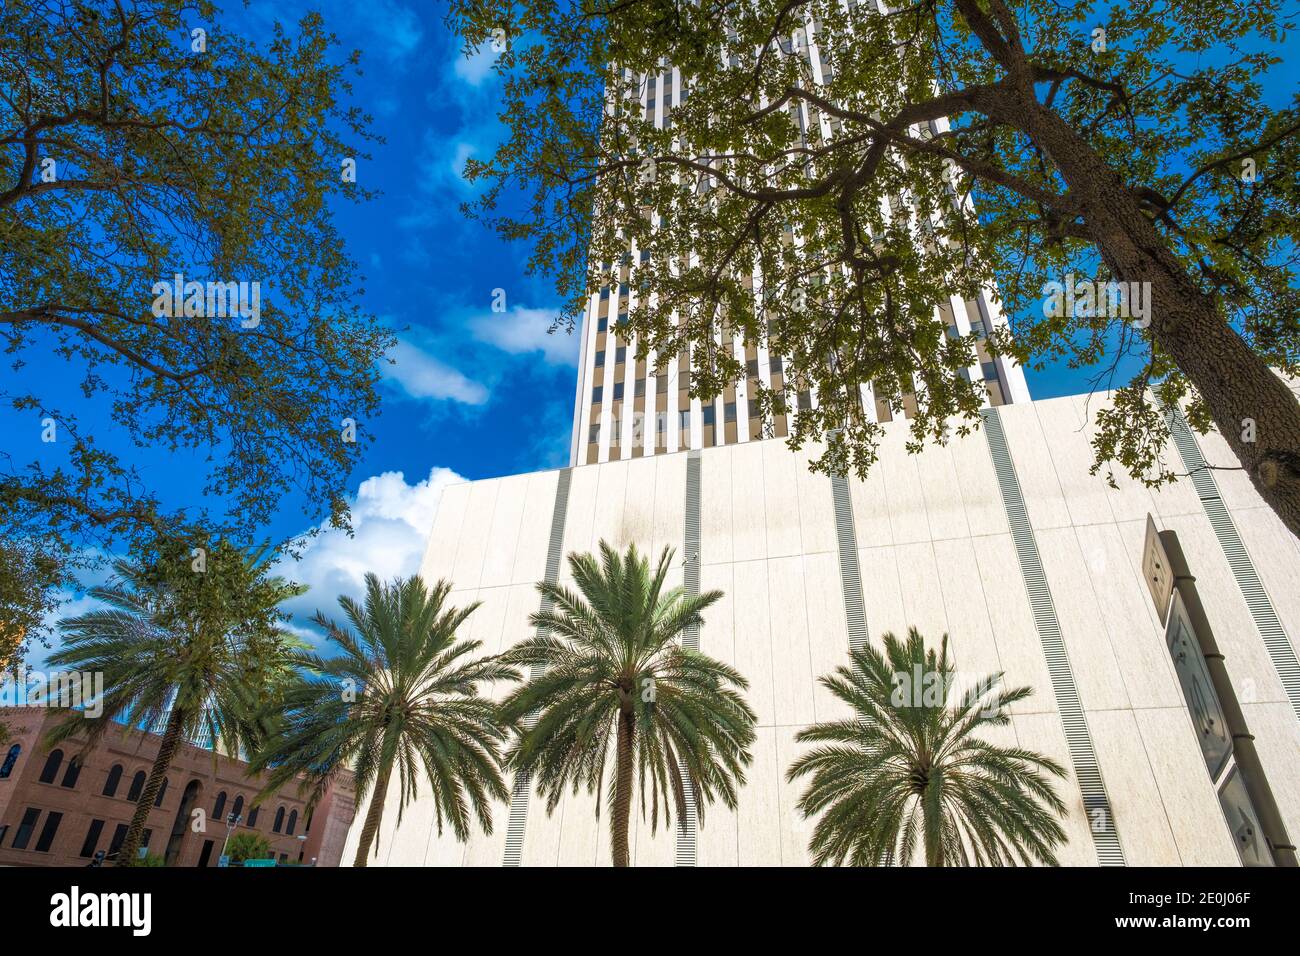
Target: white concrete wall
x,y
936,552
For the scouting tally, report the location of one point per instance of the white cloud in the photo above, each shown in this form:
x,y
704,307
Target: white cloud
x,y
477,67
420,375
391,521
522,331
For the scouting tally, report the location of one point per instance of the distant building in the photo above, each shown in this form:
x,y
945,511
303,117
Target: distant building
x,y
56,811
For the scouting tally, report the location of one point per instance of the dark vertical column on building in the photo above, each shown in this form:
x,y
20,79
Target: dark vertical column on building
x,y
855,615
691,638
555,552
1101,820
1257,600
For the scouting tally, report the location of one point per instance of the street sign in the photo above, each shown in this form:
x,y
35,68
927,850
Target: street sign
x,y
1155,568
223,861
259,863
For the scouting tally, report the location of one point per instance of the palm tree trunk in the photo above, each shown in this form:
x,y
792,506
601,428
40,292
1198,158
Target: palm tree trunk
x,y
162,763
622,810
373,815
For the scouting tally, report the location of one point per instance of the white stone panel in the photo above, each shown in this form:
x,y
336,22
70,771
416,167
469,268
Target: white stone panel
x,y
1031,453
1134,797
791,654
716,506
444,538
1096,672
1190,803
499,558
475,534
535,528
781,497
1137,637
753,636
1019,647
748,509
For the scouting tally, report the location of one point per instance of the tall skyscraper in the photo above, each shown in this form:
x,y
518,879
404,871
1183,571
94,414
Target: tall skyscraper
x,y
625,409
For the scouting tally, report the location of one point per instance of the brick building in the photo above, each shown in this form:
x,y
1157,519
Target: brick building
x,y
56,811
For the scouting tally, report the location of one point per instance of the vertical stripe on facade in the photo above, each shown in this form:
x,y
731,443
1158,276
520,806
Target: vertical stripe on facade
x,y
1257,600
1096,803
855,614
555,551
691,638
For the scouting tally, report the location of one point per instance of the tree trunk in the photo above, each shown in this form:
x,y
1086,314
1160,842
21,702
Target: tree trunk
x,y
622,809
162,763
1244,396
373,815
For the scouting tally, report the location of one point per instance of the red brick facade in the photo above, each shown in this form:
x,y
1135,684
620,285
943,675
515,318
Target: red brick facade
x,y
63,822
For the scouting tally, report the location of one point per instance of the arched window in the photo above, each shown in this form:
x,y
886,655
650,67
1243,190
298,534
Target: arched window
x,y
219,808
113,781
293,822
278,825
11,758
162,792
51,768
252,816
72,773
137,786
238,808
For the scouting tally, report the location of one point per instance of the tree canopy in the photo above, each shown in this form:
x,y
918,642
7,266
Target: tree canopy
x,y
143,146
832,171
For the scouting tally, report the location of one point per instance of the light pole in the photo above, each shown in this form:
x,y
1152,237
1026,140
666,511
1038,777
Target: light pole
x,y
232,820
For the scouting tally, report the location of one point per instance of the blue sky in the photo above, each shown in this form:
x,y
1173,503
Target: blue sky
x,y
473,394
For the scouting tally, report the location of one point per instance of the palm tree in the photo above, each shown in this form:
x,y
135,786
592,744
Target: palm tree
x,y
193,652
402,696
608,673
911,769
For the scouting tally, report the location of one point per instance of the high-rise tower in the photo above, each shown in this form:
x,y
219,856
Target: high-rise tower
x,y
623,409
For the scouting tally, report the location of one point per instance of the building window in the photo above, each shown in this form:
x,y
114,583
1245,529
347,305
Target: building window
x,y
113,781
119,835
776,365
618,391
639,391
23,835
72,773
219,806
46,840
708,414
238,808
752,368
602,323
293,822
162,792
137,786
597,394
252,815
620,354
92,838
805,401
600,358
11,758
51,768
594,434
278,825
730,411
